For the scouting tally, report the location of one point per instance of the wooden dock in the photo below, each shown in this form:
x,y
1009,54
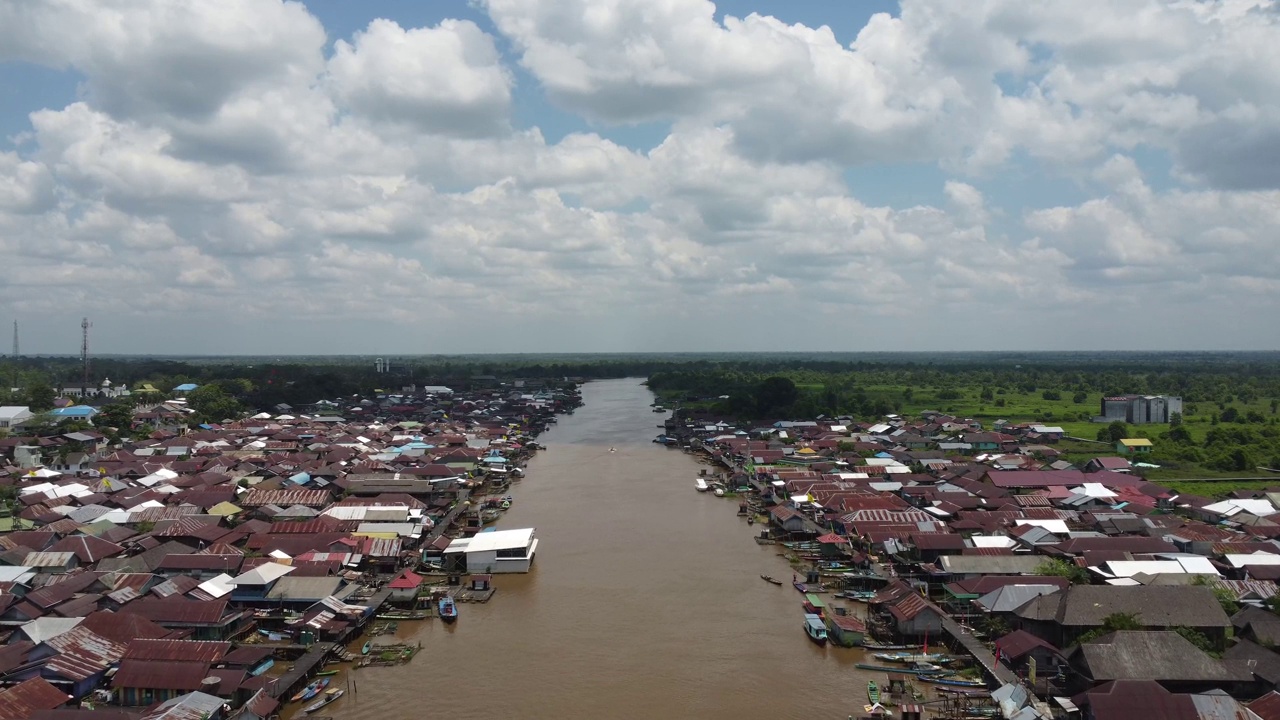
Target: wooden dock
x,y
293,680
467,595
974,647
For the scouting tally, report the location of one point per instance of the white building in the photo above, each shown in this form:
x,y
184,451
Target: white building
x,y
501,551
12,416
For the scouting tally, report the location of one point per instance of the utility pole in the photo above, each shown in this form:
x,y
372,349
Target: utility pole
x,y
84,352
15,339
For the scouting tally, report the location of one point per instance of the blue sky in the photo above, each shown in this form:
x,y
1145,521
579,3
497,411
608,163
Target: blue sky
x,y
500,175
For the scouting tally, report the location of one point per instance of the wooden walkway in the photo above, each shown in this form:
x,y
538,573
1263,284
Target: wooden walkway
x,y
291,681
979,652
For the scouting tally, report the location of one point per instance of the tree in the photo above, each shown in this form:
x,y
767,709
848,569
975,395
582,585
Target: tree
x,y
1175,420
1051,395
213,404
1199,639
1114,432
1115,622
117,415
1231,414
39,397
775,393
1080,397
1061,568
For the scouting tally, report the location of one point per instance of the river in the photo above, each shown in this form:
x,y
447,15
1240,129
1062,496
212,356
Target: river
x,y
645,600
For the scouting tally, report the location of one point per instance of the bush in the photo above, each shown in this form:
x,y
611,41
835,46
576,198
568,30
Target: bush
x,y
1051,395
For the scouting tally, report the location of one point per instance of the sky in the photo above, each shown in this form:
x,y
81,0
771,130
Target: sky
x,y
398,177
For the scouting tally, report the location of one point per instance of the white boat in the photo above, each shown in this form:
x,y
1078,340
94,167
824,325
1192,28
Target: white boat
x,y
701,485
719,492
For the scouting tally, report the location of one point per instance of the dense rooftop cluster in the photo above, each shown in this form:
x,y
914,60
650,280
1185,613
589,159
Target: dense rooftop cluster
x,y
1126,594
163,574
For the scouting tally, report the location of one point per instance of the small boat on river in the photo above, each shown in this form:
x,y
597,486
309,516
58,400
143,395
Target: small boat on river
x,y
769,579
330,695
815,628
701,485
311,690
718,492
364,650
954,683
873,692
448,609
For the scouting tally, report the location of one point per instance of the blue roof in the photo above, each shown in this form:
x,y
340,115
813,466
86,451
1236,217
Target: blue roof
x,y
187,387
74,410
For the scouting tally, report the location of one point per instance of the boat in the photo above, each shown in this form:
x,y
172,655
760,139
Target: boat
x,y
903,671
327,673
857,595
367,647
311,690
448,610
718,492
907,658
329,696
815,628
400,615
769,579
701,485
954,683
873,692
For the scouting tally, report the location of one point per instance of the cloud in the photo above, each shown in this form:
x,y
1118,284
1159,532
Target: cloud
x,y
445,79
384,196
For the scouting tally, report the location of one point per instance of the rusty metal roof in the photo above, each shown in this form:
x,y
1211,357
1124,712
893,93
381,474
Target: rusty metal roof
x,y
83,653
160,674
28,697
285,498
209,651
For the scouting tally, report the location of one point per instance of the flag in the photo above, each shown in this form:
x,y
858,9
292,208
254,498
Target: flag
x,y
997,652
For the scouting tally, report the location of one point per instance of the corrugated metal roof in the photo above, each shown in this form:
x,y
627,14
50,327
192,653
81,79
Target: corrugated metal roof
x,y
49,559
25,699
83,653
160,674
209,651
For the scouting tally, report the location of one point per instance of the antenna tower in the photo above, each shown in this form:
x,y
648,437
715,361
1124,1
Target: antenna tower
x,y
84,349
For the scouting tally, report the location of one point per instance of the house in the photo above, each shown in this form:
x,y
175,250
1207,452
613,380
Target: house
x,y
845,630
1019,648
404,587
28,697
907,610
255,585
1163,656
11,416
787,519
206,620
157,670
74,412
1059,618
501,551
192,705
1133,446
1107,464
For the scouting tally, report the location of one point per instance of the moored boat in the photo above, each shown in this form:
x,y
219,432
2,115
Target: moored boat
x,y
311,690
718,492
954,683
448,609
873,692
815,628
330,695
364,650
769,579
701,485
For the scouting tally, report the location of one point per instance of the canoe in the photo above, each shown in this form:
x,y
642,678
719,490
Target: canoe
x,y
329,697
367,647
903,671
954,683
327,673
311,690
873,692
768,579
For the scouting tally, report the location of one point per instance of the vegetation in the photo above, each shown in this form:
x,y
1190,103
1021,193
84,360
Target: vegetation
x,y
1114,622
1058,567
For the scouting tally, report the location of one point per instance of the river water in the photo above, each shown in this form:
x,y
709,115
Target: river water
x,y
645,600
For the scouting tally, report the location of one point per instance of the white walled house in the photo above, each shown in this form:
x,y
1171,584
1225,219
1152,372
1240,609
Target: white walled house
x,y
500,551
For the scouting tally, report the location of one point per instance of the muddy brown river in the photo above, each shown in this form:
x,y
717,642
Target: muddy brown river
x,y
645,601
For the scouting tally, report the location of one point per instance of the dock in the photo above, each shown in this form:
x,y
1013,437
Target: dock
x,y
297,676
974,647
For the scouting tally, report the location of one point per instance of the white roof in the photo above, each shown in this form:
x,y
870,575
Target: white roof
x,y
1180,565
1259,507
1239,560
158,476
500,540
1057,527
45,628
850,476
1097,490
877,429
15,573
217,587
883,462
12,411
263,574
1047,429
993,541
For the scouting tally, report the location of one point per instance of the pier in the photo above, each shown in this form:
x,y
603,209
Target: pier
x,y
974,647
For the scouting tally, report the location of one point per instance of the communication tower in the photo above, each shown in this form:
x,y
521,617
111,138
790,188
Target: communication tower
x,y
84,349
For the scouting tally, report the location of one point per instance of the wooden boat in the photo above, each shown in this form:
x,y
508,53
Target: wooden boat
x,y
400,615
903,671
873,692
448,610
311,690
327,673
815,628
954,683
329,696
768,579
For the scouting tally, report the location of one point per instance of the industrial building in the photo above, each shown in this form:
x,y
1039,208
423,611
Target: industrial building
x,y
1140,409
